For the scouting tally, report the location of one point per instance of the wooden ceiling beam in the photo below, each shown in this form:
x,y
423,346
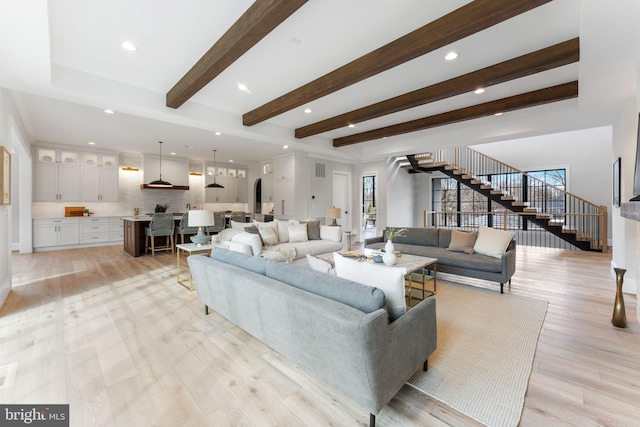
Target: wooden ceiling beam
x,y
539,97
257,21
535,62
462,22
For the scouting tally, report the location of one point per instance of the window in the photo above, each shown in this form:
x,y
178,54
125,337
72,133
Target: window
x,y
369,192
450,197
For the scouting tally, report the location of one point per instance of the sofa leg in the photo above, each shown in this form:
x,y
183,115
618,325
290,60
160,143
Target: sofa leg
x,y
372,420
501,288
206,310
425,365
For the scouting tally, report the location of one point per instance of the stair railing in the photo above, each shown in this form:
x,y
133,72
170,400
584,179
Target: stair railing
x,y
576,214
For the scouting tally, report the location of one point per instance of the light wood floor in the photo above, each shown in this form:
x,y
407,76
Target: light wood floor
x,y
116,338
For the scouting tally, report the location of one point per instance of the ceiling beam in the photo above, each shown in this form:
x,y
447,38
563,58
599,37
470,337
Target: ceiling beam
x,y
462,22
257,21
524,100
535,62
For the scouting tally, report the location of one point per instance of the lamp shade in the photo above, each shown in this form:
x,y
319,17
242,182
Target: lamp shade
x,y
200,218
333,213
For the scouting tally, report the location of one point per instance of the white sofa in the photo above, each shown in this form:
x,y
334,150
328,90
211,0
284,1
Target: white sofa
x,y
256,239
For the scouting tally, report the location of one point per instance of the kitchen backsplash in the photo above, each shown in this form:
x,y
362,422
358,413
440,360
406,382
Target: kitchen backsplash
x,y
131,196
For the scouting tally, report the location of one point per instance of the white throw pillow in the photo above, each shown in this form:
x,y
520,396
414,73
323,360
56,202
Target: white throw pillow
x,y
331,232
239,247
388,279
270,224
318,264
298,233
227,234
252,240
283,228
269,235
492,242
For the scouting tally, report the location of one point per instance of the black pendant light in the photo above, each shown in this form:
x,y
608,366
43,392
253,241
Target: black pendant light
x,y
159,183
215,172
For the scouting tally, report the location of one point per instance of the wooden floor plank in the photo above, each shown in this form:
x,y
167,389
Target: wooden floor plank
x,y
124,344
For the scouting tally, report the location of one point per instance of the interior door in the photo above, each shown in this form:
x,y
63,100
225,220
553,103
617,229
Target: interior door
x,y
342,197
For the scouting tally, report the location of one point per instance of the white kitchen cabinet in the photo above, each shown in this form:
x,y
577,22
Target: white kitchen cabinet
x,y
99,160
99,184
116,229
290,186
57,175
56,232
94,229
57,182
235,187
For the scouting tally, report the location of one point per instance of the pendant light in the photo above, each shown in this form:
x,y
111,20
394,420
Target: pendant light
x,y
215,172
159,183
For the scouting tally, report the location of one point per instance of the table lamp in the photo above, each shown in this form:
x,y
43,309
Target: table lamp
x,y
200,219
333,213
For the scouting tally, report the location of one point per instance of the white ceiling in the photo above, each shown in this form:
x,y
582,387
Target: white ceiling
x,y
63,62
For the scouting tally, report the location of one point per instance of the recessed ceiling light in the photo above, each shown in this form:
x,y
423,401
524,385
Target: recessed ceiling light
x,y
108,111
498,114
285,146
451,56
188,146
91,143
218,133
129,46
308,110
173,154
352,125
243,87
479,90
230,160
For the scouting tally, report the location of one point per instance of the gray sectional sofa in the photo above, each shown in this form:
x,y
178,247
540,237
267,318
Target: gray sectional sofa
x,y
336,330
434,243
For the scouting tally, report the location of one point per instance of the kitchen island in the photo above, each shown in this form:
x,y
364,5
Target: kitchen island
x,y
134,232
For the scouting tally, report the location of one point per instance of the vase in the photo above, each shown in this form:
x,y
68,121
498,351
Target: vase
x,y
619,318
389,248
389,256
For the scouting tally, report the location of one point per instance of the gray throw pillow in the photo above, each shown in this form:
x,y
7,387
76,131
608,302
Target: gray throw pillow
x,y
313,229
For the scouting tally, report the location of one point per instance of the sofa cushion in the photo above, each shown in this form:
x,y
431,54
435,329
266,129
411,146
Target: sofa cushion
x,y
298,233
492,242
389,279
362,297
462,241
444,237
252,263
331,232
269,235
454,259
252,240
237,225
318,264
417,236
313,229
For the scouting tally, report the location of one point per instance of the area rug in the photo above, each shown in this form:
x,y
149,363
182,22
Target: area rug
x,y
486,344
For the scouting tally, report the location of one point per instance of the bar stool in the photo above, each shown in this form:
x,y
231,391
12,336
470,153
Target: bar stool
x,y
161,225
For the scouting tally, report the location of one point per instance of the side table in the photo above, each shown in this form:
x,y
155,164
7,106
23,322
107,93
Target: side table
x,y
190,248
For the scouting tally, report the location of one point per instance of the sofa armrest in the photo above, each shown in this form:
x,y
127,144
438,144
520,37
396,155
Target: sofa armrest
x,y
372,240
509,262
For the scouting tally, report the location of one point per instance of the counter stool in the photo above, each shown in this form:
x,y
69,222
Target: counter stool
x,y
161,225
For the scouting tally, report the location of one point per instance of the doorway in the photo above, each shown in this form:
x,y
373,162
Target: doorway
x,y
257,206
342,197
369,204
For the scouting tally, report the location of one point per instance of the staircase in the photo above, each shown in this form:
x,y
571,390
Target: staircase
x,y
567,216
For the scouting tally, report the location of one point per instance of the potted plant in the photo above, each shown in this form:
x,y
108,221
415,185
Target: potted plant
x,y
161,208
85,212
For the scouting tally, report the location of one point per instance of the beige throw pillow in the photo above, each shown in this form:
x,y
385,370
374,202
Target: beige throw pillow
x,y
463,241
269,235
